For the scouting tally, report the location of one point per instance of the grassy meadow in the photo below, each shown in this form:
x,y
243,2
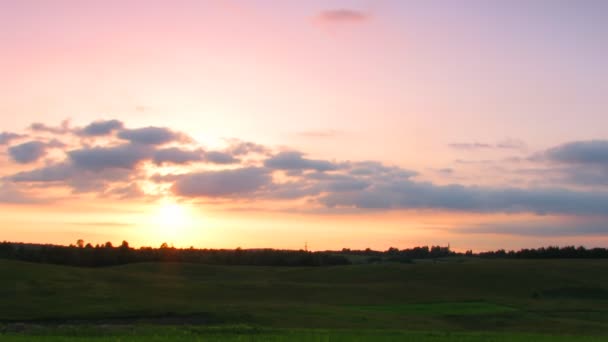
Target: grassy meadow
x,y
448,300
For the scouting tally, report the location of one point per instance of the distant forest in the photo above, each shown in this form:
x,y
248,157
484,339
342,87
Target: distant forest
x,y
109,255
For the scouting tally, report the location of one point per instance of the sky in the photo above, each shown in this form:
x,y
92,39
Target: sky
x,y
332,124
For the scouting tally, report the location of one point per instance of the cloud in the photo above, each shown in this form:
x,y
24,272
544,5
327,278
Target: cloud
x,y
101,128
7,137
129,191
347,185
125,156
78,179
11,194
107,165
580,163
343,15
62,129
507,144
325,182
152,135
594,152
52,173
240,148
174,155
585,176
293,190
294,161
28,152
511,144
222,183
470,146
408,195
377,169
218,157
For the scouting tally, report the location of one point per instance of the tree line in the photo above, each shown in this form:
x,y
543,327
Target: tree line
x,y
551,252
109,255
87,255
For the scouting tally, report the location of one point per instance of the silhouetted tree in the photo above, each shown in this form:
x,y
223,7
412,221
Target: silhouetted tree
x,y
107,255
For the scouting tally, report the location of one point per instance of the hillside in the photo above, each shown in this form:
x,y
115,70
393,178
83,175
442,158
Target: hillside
x,y
555,296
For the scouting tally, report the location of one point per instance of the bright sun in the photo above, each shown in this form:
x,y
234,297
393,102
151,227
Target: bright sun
x,y
172,214
173,221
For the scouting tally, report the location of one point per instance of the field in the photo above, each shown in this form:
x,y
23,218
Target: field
x,y
447,300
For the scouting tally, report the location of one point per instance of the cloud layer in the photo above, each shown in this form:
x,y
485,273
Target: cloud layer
x,y
104,158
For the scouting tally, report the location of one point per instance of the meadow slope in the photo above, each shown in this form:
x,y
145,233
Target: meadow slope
x,y
458,295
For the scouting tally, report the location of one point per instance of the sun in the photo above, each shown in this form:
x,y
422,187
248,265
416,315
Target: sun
x,y
172,215
173,221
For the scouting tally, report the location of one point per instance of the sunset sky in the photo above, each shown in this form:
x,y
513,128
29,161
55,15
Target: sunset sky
x,y
479,124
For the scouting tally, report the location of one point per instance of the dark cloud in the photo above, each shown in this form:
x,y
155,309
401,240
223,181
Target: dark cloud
x,y
241,148
407,194
293,190
217,157
579,163
326,182
7,137
62,129
294,161
52,173
174,155
346,185
152,135
378,170
125,156
579,152
55,143
222,183
78,179
28,152
343,15
313,184
101,127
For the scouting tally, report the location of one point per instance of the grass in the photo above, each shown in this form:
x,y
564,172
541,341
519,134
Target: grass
x,y
438,309
502,298
243,333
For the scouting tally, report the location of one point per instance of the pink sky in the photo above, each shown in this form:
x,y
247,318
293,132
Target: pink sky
x,y
481,124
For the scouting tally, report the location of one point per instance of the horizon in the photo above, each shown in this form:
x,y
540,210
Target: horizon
x,y
343,124
91,244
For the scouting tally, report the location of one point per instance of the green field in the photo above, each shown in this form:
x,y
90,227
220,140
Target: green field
x,y
450,300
